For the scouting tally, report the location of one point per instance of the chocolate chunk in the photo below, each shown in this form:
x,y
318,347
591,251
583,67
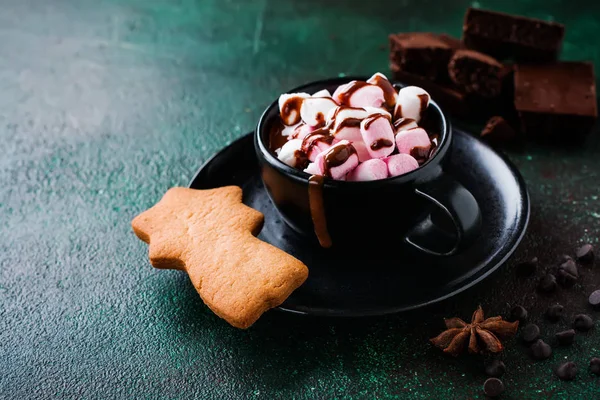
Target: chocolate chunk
x,y
567,273
547,283
476,73
595,366
541,350
423,53
594,299
497,131
554,312
585,254
566,371
527,268
450,99
518,313
493,387
557,101
583,322
530,333
495,368
510,36
565,338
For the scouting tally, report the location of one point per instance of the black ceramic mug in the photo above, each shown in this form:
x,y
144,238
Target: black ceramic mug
x,y
425,208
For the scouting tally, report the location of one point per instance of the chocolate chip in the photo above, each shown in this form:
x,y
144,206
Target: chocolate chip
x,y
567,273
493,387
547,283
554,312
541,350
530,333
595,366
594,298
527,268
495,368
585,254
567,371
566,338
518,313
583,322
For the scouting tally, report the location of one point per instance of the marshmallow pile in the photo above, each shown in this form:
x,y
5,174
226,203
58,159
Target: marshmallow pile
x,y
363,131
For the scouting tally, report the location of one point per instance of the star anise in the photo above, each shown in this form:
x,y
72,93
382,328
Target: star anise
x,y
480,334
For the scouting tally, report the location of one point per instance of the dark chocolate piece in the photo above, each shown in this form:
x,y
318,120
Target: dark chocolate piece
x,y
541,350
594,299
583,322
422,53
510,36
530,333
595,366
518,313
556,101
547,283
567,273
450,99
566,371
527,268
554,312
566,338
476,73
497,131
493,387
585,254
495,368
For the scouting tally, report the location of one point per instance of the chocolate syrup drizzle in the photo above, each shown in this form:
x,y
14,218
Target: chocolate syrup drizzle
x,y
381,143
292,104
317,210
389,92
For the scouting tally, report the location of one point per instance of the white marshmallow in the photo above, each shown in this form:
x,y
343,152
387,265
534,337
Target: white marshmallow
x,y
291,116
322,93
404,124
349,113
289,129
314,110
376,110
287,154
409,103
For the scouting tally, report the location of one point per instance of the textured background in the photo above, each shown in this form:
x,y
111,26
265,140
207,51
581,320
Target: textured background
x,y
106,104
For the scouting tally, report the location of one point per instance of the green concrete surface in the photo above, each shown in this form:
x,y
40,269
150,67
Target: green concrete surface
x,y
106,104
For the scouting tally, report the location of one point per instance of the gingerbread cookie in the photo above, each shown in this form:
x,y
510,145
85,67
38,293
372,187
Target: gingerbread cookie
x,y
210,234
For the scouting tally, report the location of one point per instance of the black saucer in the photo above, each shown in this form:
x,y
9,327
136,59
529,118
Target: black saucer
x,y
397,279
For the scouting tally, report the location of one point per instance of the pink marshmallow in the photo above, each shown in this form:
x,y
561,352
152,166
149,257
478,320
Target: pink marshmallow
x,y
361,151
359,94
316,142
399,164
406,141
378,135
340,159
369,170
301,131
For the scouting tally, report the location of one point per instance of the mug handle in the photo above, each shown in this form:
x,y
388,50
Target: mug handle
x,y
458,204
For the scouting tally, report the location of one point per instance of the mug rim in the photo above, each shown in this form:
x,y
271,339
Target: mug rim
x,y
301,176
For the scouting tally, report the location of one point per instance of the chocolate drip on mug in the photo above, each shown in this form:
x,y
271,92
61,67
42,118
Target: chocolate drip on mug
x,y
380,143
317,210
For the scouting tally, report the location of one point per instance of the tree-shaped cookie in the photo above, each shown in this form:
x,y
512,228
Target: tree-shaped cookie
x,y
210,234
